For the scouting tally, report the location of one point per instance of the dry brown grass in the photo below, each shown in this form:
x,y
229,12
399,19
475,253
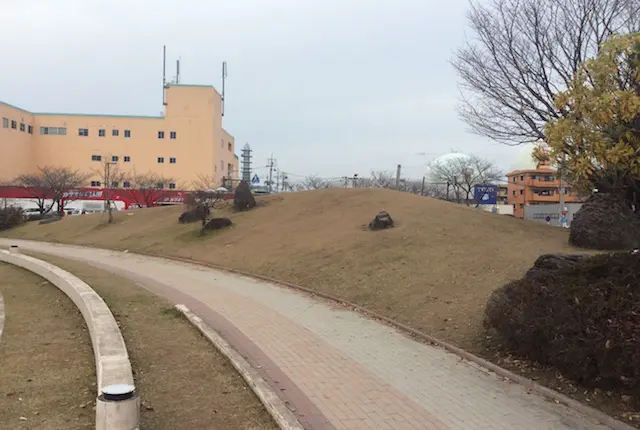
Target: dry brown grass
x,y
47,372
184,382
434,271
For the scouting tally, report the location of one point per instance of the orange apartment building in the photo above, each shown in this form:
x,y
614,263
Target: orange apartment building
x,y
536,187
183,145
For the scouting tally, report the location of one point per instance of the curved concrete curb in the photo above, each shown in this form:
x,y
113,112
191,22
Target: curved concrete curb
x,y
1,315
113,368
283,417
588,411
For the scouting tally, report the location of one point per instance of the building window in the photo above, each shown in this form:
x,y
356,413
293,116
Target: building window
x,y
172,186
126,184
127,159
115,184
534,176
215,168
549,178
221,143
522,178
161,135
114,158
95,183
221,166
161,160
229,147
127,133
521,206
22,127
567,191
61,131
14,125
173,134
521,192
230,168
159,185
5,122
96,158
30,129
115,132
514,179
172,160
83,132
102,132
513,192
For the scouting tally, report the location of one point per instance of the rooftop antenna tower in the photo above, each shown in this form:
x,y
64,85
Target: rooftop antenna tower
x,y
224,79
177,71
164,74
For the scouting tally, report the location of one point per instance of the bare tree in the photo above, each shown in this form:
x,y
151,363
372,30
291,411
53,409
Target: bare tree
x,y
146,188
203,202
313,183
53,183
524,53
61,180
382,179
111,177
463,173
36,185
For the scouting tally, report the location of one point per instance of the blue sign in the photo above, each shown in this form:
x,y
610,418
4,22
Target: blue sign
x,y
485,194
255,179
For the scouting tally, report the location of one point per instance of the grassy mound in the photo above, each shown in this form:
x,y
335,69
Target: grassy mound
x,y
583,319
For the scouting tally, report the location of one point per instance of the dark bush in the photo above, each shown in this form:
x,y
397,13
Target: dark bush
x,y
381,220
605,221
217,223
11,216
584,319
243,197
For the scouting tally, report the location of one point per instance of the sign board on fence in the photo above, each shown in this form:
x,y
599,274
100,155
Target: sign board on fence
x,y
485,194
255,179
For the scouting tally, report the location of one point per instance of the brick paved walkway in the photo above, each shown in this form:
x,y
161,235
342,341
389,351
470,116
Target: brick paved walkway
x,y
335,368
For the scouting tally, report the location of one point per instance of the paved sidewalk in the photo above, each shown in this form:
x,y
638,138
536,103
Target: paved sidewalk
x,y
335,368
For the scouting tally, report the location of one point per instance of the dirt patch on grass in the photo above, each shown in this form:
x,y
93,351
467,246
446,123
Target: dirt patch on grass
x,y
47,368
182,380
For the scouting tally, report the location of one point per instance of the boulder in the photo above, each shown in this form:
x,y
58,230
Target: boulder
x,y
217,223
605,221
243,197
381,221
190,216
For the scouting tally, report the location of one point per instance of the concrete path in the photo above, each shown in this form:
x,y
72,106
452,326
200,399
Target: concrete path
x,y
333,367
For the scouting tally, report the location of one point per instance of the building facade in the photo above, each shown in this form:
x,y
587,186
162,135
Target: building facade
x,y
183,146
539,186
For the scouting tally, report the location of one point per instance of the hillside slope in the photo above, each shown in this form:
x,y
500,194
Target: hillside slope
x,y
434,271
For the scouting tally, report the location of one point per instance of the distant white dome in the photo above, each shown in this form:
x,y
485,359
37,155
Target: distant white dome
x,y
524,160
447,158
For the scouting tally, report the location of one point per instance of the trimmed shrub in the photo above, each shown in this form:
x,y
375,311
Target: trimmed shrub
x,y
605,221
11,216
583,319
243,197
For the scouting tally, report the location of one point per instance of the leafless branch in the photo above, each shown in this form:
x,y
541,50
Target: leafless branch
x,y
526,51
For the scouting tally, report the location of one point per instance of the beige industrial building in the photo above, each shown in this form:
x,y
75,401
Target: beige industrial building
x,y
184,145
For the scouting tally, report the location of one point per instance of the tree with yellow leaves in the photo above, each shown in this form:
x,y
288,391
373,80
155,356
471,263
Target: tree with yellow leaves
x,y
598,136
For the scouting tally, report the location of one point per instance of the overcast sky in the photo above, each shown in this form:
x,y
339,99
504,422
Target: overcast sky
x,y
329,87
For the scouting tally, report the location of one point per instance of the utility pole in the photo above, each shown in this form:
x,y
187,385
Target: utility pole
x,y
284,181
422,189
398,177
271,167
